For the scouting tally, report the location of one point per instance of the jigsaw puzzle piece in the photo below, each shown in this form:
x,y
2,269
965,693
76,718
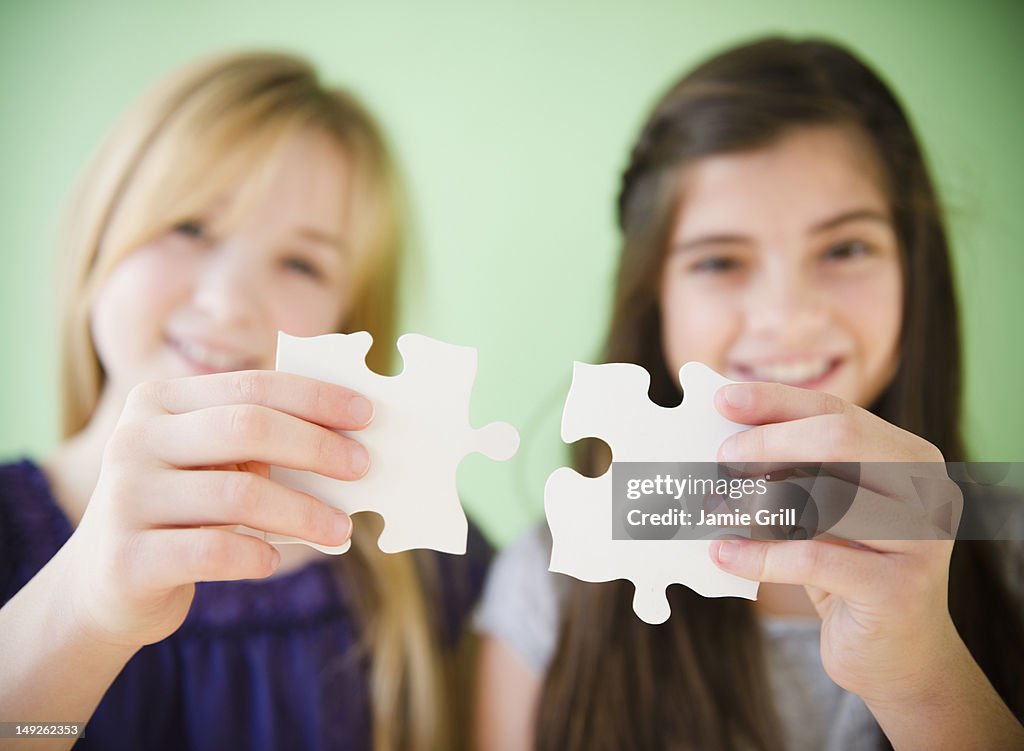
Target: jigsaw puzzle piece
x,y
327,358
604,401
451,387
579,513
700,442
580,527
498,441
610,402
419,434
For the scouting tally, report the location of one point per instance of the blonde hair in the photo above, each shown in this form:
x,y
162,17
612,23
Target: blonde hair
x,y
220,124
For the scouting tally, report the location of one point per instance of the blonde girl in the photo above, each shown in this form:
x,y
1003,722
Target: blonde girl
x,y
237,198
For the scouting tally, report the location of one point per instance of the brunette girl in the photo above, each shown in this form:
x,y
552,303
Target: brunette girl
x,y
779,224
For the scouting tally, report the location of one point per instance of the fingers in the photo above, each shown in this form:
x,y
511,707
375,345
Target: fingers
x,y
762,403
316,401
193,499
855,435
794,425
835,568
850,571
239,433
822,438
870,517
198,555
800,425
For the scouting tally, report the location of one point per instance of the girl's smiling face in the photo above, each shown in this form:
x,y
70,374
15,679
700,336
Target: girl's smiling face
x,y
194,301
783,265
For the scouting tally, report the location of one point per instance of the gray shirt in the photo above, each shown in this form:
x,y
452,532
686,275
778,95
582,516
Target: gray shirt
x,y
521,605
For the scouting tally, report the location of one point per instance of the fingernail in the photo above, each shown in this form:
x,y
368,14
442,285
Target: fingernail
x,y
727,451
342,525
359,460
737,396
728,551
275,559
360,410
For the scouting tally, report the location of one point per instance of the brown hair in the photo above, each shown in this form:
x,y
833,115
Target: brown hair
x,y
208,128
699,680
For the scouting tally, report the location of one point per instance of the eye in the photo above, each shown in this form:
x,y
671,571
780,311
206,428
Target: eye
x,y
302,266
715,265
847,250
191,228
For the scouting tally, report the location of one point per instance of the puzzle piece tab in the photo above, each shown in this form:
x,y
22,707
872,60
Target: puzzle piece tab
x,y
419,434
610,402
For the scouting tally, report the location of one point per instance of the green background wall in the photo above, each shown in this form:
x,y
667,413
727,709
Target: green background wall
x,y
511,122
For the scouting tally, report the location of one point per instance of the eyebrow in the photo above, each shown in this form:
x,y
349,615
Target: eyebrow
x,y
856,215
325,238
708,240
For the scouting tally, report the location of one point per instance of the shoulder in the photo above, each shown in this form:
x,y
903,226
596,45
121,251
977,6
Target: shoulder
x,y
522,600
460,579
15,478
32,526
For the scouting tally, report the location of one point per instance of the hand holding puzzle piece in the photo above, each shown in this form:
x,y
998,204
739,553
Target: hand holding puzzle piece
x,y
419,434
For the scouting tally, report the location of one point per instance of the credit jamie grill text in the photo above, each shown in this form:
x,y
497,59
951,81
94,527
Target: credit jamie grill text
x,y
854,501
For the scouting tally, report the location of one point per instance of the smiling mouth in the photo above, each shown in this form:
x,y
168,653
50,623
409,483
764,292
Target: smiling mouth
x,y
208,359
806,373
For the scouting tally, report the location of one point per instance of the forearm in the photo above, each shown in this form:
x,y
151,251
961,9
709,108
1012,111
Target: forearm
x,y
955,707
53,671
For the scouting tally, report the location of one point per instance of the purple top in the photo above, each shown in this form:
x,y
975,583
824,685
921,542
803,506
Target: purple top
x,y
268,664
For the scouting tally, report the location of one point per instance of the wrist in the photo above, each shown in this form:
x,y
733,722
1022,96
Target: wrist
x,y
949,704
52,667
943,663
72,621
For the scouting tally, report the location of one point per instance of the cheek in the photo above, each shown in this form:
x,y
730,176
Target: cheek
x,y
696,325
872,314
131,307
873,310
307,310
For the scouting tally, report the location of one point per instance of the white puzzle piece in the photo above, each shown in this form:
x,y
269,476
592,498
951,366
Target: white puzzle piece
x,y
419,434
610,402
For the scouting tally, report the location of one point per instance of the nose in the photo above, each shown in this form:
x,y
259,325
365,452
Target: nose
x,y
784,305
227,286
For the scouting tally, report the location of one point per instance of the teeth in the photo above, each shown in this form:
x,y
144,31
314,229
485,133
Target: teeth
x,y
212,359
797,371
